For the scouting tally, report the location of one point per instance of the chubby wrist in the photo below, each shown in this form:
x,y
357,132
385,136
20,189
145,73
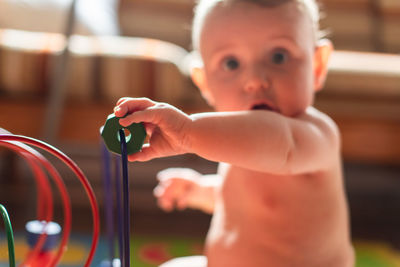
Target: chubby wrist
x,y
189,134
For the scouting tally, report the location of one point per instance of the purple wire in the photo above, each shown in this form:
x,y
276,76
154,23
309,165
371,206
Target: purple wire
x,y
108,201
118,203
125,189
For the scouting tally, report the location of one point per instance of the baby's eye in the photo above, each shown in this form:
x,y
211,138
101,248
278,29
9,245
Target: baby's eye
x,y
230,63
280,57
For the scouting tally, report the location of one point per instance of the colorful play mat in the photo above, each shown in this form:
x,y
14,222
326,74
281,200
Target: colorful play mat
x,y
152,251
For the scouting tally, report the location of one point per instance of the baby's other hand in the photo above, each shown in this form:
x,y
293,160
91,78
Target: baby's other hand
x,y
181,188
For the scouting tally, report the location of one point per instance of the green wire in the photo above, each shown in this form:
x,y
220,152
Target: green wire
x,y
10,236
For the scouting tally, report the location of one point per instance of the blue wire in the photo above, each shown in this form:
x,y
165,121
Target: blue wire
x,y
125,188
118,204
108,199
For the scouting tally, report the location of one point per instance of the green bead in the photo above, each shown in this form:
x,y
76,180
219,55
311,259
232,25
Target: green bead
x,y
110,134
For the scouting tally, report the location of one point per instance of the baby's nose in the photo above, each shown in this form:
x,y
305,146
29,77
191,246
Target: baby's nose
x,y
256,80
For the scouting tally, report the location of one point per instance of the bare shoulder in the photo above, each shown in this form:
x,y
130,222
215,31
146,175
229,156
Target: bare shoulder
x,y
322,123
316,142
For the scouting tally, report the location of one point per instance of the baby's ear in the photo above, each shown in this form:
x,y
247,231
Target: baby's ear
x,y
199,78
195,66
322,54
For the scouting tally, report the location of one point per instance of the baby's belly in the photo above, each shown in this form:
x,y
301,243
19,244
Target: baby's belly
x,y
279,227
247,246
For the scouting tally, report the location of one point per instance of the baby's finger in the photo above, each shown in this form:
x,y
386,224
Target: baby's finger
x,y
130,105
158,191
166,198
182,202
147,153
120,111
138,115
122,99
122,106
166,205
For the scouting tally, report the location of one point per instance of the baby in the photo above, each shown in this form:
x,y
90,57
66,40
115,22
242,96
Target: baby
x,y
278,198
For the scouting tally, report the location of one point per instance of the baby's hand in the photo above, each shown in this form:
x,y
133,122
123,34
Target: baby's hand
x,y
182,188
165,126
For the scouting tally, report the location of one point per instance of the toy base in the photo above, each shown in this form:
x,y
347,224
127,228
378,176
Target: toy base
x,y
107,263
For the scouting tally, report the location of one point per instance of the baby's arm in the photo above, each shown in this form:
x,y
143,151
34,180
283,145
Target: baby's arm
x,y
267,141
183,188
258,140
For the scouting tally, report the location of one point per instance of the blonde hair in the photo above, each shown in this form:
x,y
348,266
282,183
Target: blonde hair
x,y
204,7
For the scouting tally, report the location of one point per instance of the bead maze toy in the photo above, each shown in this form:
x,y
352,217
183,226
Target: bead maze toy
x,y
41,233
115,141
44,235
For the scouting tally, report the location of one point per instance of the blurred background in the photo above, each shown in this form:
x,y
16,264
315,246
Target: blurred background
x,y
64,64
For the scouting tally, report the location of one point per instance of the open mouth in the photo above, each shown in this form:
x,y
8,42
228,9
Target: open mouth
x,y
262,106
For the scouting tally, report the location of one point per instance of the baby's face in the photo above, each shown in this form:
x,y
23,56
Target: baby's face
x,y
258,58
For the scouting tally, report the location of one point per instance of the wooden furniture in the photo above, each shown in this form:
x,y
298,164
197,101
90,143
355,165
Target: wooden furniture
x,y
362,94
359,25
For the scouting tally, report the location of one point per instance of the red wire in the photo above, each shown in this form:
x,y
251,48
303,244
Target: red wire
x,y
67,215
45,202
44,194
78,172
34,155
44,190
